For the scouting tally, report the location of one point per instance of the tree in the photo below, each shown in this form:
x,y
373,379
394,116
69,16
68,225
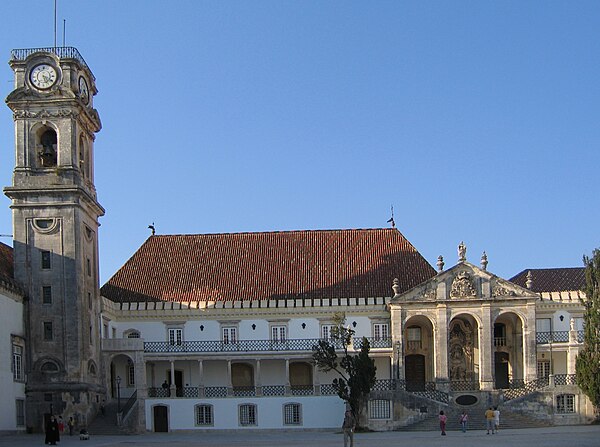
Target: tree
x,y
588,360
356,371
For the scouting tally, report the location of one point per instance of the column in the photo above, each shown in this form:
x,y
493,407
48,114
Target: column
x,y
486,347
229,378
201,392
173,388
441,354
140,376
316,381
288,388
257,379
530,345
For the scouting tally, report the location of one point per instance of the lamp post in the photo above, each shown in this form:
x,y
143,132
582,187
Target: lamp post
x,y
118,394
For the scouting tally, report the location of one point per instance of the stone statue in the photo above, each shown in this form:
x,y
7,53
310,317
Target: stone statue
x,y
462,252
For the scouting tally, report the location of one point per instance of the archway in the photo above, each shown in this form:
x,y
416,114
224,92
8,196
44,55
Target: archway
x,y
160,415
508,350
463,353
418,352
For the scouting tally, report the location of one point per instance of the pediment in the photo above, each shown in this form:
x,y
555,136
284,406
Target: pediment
x,y
464,281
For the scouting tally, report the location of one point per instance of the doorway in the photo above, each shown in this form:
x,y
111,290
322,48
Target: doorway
x,y
161,419
414,365
501,370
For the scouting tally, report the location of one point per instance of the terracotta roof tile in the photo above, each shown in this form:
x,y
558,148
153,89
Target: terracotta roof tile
x,y
553,280
275,265
7,274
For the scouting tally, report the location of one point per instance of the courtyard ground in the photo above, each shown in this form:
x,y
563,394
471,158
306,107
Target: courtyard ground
x,y
575,436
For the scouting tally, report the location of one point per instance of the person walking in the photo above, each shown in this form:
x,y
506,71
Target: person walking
x,y
71,425
463,421
443,419
496,418
489,420
52,434
348,426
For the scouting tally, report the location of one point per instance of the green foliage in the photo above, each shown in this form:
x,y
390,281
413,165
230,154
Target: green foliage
x,y
588,360
356,371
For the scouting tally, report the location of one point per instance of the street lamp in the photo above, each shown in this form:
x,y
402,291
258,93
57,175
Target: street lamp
x,y
118,394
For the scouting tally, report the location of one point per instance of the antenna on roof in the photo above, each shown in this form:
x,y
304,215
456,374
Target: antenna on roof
x,y
64,31
6,235
55,23
152,228
391,219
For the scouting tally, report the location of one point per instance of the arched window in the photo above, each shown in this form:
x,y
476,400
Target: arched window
x,y
49,367
83,158
133,334
92,368
47,148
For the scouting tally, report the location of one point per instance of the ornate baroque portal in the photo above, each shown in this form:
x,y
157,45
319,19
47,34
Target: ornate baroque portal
x,y
460,353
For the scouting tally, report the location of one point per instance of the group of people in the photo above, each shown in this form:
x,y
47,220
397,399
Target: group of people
x,y
492,419
56,427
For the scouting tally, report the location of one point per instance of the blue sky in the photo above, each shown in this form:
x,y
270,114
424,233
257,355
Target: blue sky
x,y
476,120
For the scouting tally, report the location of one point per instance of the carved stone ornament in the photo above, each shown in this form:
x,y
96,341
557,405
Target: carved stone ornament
x,y
500,290
430,293
61,113
462,287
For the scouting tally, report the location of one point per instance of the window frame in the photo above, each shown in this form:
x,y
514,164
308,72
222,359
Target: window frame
x,y
45,259
292,413
202,412
278,333
380,409
47,295
175,336
17,362
20,412
381,331
565,403
47,331
248,415
229,334
326,331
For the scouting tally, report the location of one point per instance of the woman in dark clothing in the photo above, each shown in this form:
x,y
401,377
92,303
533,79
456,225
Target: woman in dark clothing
x,y
52,435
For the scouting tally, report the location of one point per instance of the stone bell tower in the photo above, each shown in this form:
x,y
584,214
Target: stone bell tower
x,y
55,226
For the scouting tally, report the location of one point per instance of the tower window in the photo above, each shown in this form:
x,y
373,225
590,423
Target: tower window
x,y
47,149
46,260
46,295
48,330
89,267
18,363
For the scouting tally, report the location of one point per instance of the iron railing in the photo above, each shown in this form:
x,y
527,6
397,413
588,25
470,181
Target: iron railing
x,y
565,379
238,346
554,337
62,52
374,342
580,336
273,390
525,388
464,385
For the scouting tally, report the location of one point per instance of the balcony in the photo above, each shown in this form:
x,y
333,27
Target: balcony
x,y
245,346
552,337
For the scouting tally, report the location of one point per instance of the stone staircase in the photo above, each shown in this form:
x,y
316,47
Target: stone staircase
x,y
508,420
107,424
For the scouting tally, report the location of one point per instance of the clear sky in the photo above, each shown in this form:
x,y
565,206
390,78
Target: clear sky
x,y
477,120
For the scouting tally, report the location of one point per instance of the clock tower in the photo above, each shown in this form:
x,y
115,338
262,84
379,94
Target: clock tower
x,y
55,225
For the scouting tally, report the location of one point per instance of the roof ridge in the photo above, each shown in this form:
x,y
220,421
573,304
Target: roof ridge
x,y
318,230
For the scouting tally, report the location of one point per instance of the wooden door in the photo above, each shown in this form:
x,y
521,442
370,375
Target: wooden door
x,y
414,368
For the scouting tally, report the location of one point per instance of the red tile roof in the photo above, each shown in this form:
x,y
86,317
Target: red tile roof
x,y
7,275
277,265
553,280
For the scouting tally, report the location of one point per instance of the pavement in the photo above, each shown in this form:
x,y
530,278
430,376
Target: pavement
x,y
575,436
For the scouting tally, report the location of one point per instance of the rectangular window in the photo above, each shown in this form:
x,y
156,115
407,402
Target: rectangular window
x,y
46,294
278,333
326,331
89,300
413,335
17,363
292,414
46,260
204,415
379,409
130,375
543,325
543,368
381,331
565,403
229,335
105,330
20,403
176,337
89,267
247,414
48,335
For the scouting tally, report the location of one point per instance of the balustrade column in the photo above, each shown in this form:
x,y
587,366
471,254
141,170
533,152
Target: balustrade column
x,y
201,378
173,388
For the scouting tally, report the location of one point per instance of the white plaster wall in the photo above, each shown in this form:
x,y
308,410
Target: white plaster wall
x,y
561,325
272,372
11,323
317,412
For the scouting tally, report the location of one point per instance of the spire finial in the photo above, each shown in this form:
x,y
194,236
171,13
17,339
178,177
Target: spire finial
x,y
440,263
396,286
391,219
529,282
484,260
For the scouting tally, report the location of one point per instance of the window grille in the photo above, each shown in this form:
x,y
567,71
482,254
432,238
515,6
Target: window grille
x,y
247,414
292,414
204,415
379,409
381,331
565,403
175,337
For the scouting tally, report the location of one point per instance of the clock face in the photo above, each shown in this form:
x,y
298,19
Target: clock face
x,y
43,76
84,91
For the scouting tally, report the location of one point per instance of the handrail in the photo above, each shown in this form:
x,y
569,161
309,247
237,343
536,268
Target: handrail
x,y
62,52
125,411
237,346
